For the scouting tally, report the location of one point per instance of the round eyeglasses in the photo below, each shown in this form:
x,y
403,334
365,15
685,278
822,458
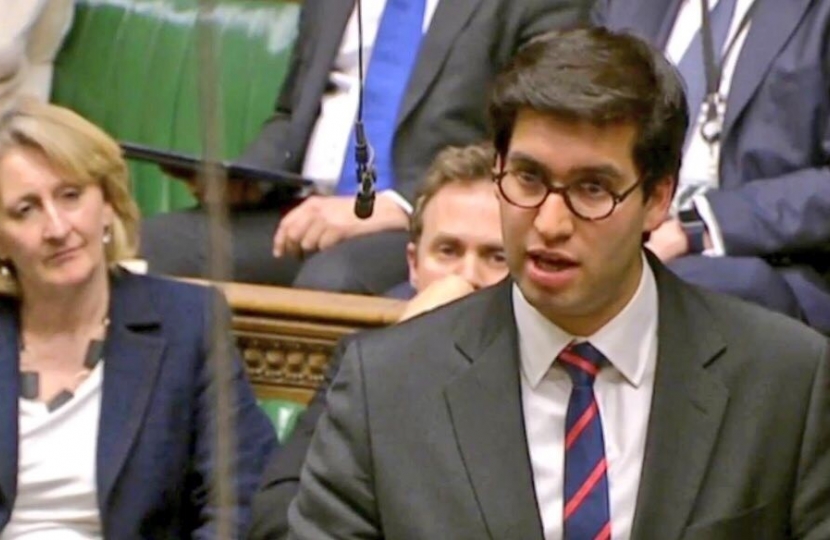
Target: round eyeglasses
x,y
587,199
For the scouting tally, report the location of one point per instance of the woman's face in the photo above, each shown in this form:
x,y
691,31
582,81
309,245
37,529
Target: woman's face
x,y
51,227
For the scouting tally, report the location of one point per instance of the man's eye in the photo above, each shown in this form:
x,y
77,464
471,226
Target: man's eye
x,y
590,188
527,177
447,250
498,258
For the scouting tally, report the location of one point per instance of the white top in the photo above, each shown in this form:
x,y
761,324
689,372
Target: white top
x,y
56,487
329,140
701,160
623,392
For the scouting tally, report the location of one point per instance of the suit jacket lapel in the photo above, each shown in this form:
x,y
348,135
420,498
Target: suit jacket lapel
x,y
486,412
686,412
9,394
447,21
772,25
132,356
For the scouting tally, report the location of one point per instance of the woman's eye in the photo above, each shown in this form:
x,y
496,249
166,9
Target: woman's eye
x,y
71,193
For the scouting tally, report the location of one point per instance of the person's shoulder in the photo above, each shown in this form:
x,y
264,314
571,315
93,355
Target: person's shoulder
x,y
165,286
169,297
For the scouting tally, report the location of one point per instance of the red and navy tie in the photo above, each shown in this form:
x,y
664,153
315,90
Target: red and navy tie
x,y
587,515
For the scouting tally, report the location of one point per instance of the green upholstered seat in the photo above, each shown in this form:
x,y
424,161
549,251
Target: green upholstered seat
x,y
283,414
131,67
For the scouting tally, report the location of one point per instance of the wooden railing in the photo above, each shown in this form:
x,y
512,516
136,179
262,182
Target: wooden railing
x,y
286,336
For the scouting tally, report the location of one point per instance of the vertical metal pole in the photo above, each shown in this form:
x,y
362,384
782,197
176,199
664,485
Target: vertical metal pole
x,y
214,182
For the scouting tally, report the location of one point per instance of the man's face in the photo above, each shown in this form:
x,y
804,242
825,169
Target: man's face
x,y
461,235
578,273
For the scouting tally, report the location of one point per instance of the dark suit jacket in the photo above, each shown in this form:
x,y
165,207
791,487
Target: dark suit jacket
x,y
155,455
423,435
445,103
774,200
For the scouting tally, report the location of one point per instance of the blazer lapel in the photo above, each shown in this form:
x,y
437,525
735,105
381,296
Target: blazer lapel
x,y
447,21
9,394
772,25
486,412
686,412
132,356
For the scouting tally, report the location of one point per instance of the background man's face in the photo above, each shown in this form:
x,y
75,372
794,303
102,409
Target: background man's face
x,y
461,235
577,273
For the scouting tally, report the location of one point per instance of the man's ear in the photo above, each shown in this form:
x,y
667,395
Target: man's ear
x,y
658,203
412,262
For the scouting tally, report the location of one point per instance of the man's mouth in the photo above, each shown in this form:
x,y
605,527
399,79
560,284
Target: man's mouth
x,y
552,261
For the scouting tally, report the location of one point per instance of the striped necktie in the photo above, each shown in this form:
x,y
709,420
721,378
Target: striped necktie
x,y
587,514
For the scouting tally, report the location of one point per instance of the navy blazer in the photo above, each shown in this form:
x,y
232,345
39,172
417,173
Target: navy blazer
x,y
774,200
155,436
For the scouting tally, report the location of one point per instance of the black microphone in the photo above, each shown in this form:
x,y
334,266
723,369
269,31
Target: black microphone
x,y
364,203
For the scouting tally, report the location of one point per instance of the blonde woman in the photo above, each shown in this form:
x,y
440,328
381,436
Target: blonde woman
x,y
105,413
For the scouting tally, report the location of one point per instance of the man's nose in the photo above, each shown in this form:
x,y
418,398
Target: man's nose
x,y
554,219
471,270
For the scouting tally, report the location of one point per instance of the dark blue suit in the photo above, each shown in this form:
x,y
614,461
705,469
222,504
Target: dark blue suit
x,y
773,205
155,437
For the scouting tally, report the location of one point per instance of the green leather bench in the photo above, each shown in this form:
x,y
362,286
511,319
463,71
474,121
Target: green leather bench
x,y
131,67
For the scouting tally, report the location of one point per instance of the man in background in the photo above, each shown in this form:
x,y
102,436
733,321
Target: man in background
x,y
455,242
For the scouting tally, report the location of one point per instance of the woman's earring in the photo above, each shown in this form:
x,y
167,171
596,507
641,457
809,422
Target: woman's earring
x,y
107,235
5,271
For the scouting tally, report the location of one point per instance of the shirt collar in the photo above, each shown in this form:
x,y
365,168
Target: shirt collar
x,y
627,340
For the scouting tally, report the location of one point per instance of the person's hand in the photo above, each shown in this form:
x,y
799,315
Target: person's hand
x,y
437,294
320,222
668,241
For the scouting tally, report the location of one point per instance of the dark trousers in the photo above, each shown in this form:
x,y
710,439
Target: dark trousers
x,y
176,243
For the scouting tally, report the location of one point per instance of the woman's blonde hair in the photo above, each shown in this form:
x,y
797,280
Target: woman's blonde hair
x,y
83,152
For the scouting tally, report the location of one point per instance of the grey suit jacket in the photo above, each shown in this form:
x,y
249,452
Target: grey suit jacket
x,y
423,436
445,102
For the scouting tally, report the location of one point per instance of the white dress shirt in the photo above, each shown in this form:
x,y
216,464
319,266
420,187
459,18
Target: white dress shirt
x,y
326,150
57,494
623,392
701,160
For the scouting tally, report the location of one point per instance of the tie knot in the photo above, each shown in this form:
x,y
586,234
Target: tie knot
x,y
582,361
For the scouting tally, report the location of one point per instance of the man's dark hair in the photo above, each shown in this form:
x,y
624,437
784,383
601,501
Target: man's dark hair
x,y
601,77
